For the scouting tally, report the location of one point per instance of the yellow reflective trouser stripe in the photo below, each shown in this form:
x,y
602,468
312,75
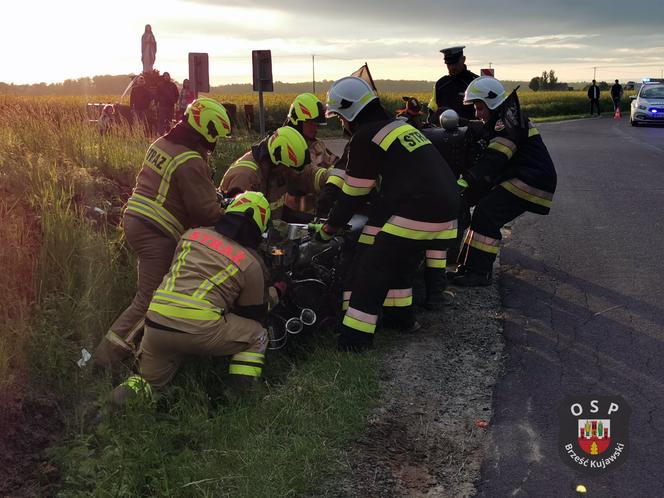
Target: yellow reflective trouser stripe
x,y
345,305
409,233
501,148
525,195
218,279
175,270
398,302
336,180
436,263
392,136
355,191
114,338
319,173
367,239
165,183
186,313
146,207
483,247
356,324
234,369
179,298
244,164
532,132
249,357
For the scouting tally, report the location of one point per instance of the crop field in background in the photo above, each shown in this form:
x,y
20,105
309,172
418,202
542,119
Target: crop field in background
x,y
65,273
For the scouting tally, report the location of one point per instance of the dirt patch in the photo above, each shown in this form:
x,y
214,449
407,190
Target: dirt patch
x,y
29,424
28,421
426,437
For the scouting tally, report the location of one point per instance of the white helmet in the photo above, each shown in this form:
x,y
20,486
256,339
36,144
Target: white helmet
x,y
449,119
348,96
487,89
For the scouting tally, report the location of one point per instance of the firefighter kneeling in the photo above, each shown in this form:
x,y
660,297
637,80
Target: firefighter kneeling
x,y
514,174
211,302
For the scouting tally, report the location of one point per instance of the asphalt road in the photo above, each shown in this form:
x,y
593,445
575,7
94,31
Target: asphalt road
x,y
583,292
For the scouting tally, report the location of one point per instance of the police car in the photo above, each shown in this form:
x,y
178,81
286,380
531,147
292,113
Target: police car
x,y
648,105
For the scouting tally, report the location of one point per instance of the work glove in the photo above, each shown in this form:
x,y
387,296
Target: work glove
x,y
320,234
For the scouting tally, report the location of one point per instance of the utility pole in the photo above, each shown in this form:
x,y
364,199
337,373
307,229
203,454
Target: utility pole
x,y
595,72
489,65
313,71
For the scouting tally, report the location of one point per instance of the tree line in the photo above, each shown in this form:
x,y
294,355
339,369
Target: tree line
x,y
116,84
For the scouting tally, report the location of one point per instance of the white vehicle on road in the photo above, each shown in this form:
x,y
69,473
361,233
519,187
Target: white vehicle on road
x,y
648,105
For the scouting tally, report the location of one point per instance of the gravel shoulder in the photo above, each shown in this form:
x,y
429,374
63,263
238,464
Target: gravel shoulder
x,y
426,435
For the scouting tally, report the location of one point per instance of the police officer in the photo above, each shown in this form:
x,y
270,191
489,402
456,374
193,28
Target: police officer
x,y
449,90
418,197
514,174
211,302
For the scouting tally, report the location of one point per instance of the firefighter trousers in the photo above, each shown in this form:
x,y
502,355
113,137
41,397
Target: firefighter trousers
x,y
389,264
162,351
482,242
154,250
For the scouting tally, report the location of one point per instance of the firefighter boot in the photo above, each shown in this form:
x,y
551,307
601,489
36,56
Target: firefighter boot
x,y
435,283
470,278
239,386
400,319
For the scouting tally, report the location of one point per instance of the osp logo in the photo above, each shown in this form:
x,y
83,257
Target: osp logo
x,y
593,435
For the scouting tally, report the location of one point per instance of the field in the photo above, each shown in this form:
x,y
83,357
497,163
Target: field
x,y
65,273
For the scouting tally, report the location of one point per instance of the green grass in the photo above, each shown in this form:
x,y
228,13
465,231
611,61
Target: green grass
x,y
279,442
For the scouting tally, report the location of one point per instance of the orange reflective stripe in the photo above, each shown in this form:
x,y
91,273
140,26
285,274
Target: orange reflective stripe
x,y
362,316
483,243
423,226
523,190
398,298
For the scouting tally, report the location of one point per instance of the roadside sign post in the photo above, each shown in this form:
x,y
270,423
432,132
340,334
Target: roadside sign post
x,y
199,72
487,72
262,72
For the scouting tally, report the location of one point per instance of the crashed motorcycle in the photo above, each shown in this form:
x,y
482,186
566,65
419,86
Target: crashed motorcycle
x,y
309,276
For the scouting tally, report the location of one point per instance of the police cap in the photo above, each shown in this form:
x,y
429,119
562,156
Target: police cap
x,y
453,54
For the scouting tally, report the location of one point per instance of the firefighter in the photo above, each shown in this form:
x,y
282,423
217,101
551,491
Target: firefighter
x,y
275,166
306,114
418,199
449,90
513,175
412,112
173,192
211,302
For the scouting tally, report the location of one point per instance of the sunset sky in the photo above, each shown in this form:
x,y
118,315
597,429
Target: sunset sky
x,y
50,41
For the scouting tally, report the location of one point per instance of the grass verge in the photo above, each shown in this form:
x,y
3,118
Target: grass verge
x,y
280,441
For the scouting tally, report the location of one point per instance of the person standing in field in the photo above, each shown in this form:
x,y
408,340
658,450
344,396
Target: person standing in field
x,y
139,100
148,49
616,95
173,192
593,95
167,96
187,96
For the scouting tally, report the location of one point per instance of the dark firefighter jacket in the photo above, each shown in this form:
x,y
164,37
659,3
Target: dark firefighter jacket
x,y
516,158
417,188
